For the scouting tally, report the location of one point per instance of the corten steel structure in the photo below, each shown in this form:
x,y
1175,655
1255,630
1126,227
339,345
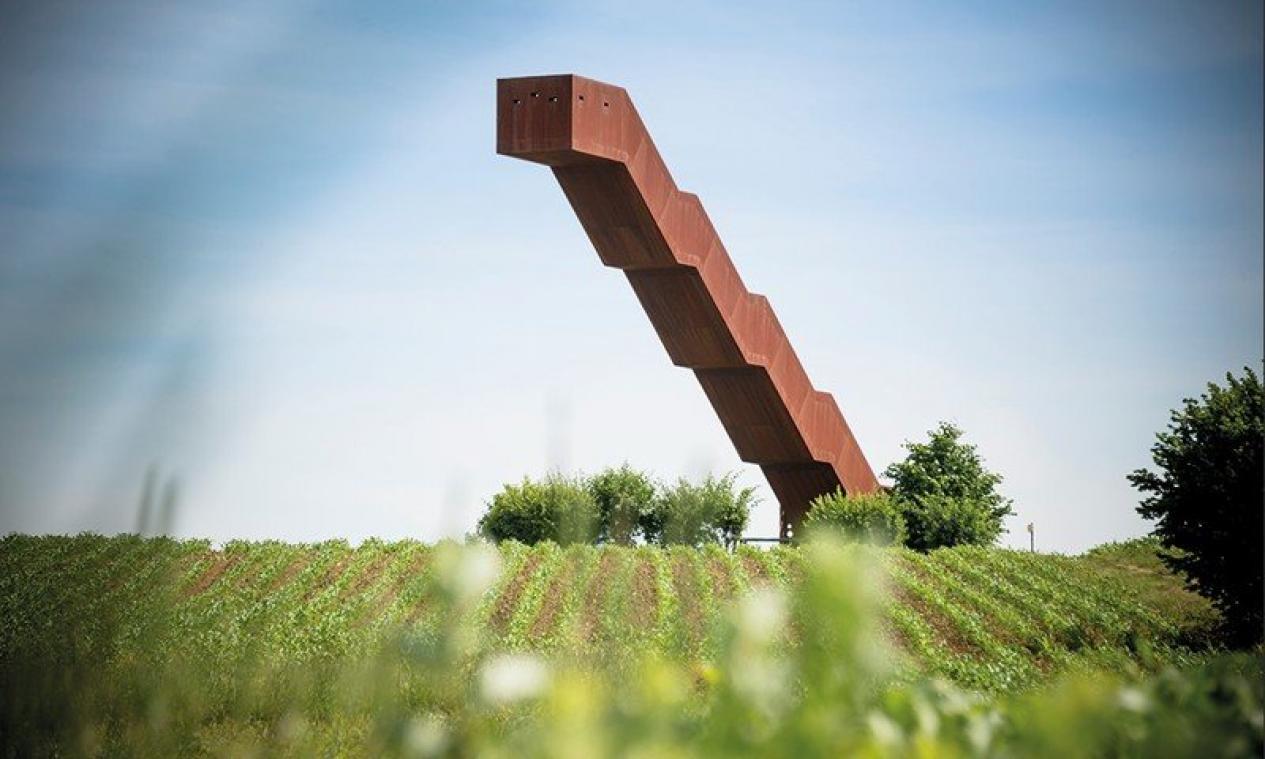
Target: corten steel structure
x,y
590,134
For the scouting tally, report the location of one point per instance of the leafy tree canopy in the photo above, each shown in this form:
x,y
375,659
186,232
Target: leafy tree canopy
x,y
948,497
1207,497
622,495
557,508
713,511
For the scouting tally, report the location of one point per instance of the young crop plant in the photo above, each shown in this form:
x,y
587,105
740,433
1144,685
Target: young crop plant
x,y
328,612
118,599
275,615
28,560
645,603
210,616
592,613
755,562
361,598
272,618
720,571
553,627
671,635
35,600
708,607
959,641
514,556
987,593
510,595
1007,665
1108,593
400,561
794,561
914,637
1110,613
242,618
734,570
33,554
1004,576
1002,622
310,631
153,593
738,570
780,563
1095,623
248,595
688,588
550,560
404,603
259,572
610,642
784,665
569,630
963,631
37,596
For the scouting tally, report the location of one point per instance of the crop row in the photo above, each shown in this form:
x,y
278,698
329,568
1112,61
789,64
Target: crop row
x,y
984,617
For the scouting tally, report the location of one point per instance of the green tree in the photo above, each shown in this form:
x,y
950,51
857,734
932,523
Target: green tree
x,y
713,511
864,517
947,496
557,508
1207,498
622,495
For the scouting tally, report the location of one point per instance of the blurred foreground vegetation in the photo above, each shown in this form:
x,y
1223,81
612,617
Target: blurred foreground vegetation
x,y
161,647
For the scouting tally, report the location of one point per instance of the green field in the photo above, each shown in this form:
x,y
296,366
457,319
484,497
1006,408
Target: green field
x,y
235,641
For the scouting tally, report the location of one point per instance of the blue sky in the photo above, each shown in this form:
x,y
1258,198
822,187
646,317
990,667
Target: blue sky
x,y
268,249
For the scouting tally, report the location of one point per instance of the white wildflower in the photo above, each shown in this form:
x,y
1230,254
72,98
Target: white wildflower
x,y
509,678
425,736
468,571
761,615
1133,700
884,729
980,729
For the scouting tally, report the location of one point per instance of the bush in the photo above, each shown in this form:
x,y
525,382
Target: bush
x,y
864,517
947,496
1207,498
938,521
617,505
689,514
621,495
558,509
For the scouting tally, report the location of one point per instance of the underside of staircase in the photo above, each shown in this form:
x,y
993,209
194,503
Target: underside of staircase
x,y
660,237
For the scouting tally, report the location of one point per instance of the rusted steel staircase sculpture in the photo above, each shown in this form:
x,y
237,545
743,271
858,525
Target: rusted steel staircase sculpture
x,y
590,134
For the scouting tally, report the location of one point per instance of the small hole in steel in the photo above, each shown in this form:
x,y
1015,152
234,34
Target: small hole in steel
x,y
581,97
516,101
553,99
606,105
535,94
